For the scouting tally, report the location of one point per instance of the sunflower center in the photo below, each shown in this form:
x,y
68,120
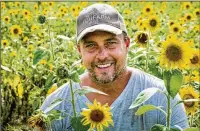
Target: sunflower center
x,y
197,13
188,104
188,17
175,29
26,13
194,60
187,6
171,23
4,43
15,31
97,115
147,9
173,53
6,19
153,22
142,38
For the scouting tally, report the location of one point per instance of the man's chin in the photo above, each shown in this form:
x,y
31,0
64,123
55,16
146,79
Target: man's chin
x,y
103,79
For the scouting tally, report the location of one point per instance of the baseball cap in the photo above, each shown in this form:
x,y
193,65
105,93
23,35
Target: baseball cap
x,y
101,17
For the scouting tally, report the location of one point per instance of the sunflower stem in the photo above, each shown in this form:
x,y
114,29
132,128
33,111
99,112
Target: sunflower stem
x,y
50,40
191,120
168,112
72,97
147,57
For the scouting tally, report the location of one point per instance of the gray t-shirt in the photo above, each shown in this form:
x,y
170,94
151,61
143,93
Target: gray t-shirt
x,y
123,117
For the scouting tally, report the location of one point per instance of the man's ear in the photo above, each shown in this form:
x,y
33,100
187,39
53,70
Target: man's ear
x,y
78,48
127,42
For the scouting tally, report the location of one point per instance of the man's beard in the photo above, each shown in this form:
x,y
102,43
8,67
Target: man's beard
x,y
105,77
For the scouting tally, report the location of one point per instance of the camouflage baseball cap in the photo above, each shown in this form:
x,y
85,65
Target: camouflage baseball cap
x,y
99,17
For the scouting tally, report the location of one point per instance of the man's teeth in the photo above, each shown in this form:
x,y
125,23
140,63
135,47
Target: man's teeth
x,y
104,66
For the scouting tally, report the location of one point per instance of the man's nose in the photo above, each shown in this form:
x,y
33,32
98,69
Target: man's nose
x,y
102,54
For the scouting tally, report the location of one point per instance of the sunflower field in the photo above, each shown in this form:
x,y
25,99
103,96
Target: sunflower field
x,y
38,50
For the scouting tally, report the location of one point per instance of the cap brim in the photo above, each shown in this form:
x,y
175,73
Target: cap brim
x,y
101,27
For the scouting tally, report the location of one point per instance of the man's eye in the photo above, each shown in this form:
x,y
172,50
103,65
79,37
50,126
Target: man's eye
x,y
89,45
111,44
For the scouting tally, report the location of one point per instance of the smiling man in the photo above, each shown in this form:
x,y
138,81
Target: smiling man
x,y
103,43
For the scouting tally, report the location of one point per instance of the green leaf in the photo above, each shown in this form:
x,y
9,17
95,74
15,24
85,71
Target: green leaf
x,y
87,89
77,124
144,96
53,104
49,82
158,127
143,109
6,68
63,37
173,81
191,129
39,54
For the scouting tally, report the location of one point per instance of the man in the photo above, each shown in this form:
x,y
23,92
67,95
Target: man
x,y
103,45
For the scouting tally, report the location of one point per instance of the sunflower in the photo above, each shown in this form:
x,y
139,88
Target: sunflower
x,y
97,116
34,28
195,76
186,6
51,3
17,4
51,67
63,9
3,5
141,38
174,53
197,12
26,14
4,43
30,48
171,22
15,30
52,89
13,54
147,10
176,28
25,39
43,62
37,121
6,19
189,93
195,60
188,17
35,7
153,23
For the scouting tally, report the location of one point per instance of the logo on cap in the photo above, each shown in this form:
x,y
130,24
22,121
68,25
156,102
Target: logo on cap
x,y
94,17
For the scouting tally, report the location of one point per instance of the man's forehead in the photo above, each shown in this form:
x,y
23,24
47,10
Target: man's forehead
x,y
99,33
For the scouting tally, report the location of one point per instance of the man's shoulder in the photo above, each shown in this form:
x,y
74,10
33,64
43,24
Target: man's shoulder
x,y
62,92
144,77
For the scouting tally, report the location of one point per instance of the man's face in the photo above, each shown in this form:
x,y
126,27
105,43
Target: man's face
x,y
104,55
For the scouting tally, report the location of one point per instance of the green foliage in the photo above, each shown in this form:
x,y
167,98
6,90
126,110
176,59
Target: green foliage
x,y
86,89
191,129
145,108
77,124
143,96
158,127
173,81
39,54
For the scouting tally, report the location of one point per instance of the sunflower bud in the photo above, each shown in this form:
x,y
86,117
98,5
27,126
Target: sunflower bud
x,y
41,19
62,72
